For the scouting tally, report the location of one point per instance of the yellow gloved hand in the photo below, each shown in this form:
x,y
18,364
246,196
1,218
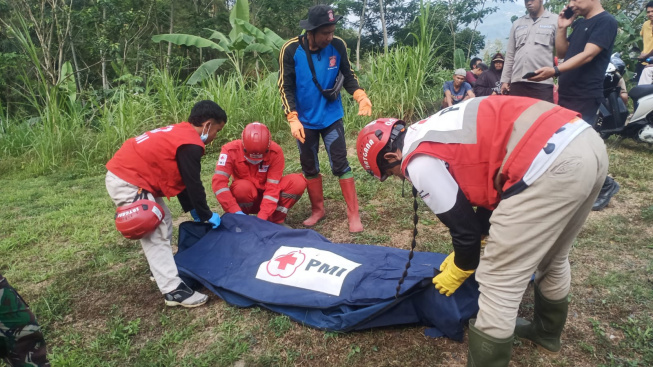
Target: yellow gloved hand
x,y
364,103
450,277
296,127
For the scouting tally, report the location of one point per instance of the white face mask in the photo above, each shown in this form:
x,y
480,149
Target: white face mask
x,y
252,161
205,136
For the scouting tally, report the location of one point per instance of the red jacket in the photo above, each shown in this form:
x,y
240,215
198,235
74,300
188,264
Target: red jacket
x,y
265,176
496,140
149,160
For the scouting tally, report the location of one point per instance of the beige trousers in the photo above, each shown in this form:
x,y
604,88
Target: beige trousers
x,y
533,231
156,246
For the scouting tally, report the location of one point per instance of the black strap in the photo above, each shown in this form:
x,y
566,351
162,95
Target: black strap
x,y
306,47
413,243
141,194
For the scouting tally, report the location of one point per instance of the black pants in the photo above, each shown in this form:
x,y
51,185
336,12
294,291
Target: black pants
x,y
587,107
533,90
334,140
638,71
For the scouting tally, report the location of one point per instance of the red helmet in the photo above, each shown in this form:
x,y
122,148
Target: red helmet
x,y
256,140
371,141
138,219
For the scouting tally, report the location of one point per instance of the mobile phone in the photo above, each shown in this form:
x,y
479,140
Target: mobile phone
x,y
529,75
568,13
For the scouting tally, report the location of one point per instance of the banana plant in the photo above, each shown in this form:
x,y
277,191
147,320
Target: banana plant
x,y
459,59
243,38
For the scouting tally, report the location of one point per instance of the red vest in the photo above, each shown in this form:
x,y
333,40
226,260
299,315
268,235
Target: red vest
x,y
488,143
149,160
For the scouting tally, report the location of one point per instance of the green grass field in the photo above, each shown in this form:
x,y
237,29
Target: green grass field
x,y
90,290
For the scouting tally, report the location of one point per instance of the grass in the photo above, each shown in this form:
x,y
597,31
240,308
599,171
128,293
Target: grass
x,y
90,288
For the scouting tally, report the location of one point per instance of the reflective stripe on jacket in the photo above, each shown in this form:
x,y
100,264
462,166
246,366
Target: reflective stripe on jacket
x,y
265,175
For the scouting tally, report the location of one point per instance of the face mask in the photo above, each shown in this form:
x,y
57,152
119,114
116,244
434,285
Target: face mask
x,y
252,161
204,137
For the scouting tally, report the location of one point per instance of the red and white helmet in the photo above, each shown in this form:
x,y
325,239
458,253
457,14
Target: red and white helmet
x,y
371,141
256,141
138,219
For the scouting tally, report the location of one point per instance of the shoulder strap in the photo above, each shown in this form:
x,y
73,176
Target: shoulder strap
x,y
307,50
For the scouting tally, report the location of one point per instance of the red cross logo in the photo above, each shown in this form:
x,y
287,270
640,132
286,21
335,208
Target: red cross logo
x,y
285,260
285,265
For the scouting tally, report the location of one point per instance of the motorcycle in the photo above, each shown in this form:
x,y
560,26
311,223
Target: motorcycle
x,y
613,113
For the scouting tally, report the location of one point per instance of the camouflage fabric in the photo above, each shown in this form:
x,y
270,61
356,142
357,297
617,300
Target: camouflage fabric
x,y
21,340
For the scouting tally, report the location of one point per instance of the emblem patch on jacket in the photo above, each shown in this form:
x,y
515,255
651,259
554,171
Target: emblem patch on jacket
x,y
222,160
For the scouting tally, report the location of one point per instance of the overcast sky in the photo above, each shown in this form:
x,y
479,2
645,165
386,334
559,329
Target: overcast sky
x,y
497,25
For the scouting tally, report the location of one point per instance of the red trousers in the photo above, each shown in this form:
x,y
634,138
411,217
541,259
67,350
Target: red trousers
x,y
249,197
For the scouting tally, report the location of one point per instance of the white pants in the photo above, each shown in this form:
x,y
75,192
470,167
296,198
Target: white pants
x,y
647,76
156,246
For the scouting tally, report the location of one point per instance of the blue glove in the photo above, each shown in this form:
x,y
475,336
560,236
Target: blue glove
x,y
215,220
240,212
193,213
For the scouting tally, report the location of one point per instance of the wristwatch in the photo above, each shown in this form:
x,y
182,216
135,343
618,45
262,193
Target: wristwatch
x,y
556,71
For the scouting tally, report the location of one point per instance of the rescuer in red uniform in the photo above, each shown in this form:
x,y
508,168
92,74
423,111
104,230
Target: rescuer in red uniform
x,y
538,166
259,187
166,162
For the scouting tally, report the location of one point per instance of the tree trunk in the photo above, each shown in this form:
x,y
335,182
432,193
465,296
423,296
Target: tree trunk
x,y
172,13
105,82
471,39
385,31
78,82
360,31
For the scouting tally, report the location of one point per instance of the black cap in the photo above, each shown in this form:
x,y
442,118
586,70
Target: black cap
x,y
318,16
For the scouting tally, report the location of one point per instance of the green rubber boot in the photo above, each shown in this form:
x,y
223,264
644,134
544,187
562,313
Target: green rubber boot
x,y
548,322
486,351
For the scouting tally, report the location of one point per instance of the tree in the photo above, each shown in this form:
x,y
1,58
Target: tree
x,y
440,27
383,27
244,37
396,14
281,16
360,31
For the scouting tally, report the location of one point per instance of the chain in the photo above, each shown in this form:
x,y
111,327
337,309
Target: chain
x,y
412,244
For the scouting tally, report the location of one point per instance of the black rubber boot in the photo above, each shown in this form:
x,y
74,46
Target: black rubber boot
x,y
548,322
486,351
608,190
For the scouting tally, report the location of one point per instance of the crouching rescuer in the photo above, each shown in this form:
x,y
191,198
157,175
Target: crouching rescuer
x,y
164,162
538,167
259,187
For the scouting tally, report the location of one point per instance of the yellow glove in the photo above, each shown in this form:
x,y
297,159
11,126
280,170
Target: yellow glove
x,y
450,277
296,127
364,104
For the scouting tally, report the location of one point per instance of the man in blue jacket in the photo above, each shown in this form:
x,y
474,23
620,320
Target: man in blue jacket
x,y
312,67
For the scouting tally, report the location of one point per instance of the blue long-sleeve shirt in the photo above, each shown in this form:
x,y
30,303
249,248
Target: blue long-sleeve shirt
x,y
299,93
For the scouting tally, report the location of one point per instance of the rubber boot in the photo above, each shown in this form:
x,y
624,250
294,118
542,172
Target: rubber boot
x,y
486,351
548,322
348,188
314,188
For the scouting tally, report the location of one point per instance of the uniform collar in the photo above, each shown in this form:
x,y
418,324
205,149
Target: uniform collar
x,y
546,14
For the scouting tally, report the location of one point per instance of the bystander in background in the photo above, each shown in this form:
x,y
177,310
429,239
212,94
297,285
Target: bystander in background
x,y
530,47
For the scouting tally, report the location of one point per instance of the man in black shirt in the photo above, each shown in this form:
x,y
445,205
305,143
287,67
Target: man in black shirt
x,y
587,53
